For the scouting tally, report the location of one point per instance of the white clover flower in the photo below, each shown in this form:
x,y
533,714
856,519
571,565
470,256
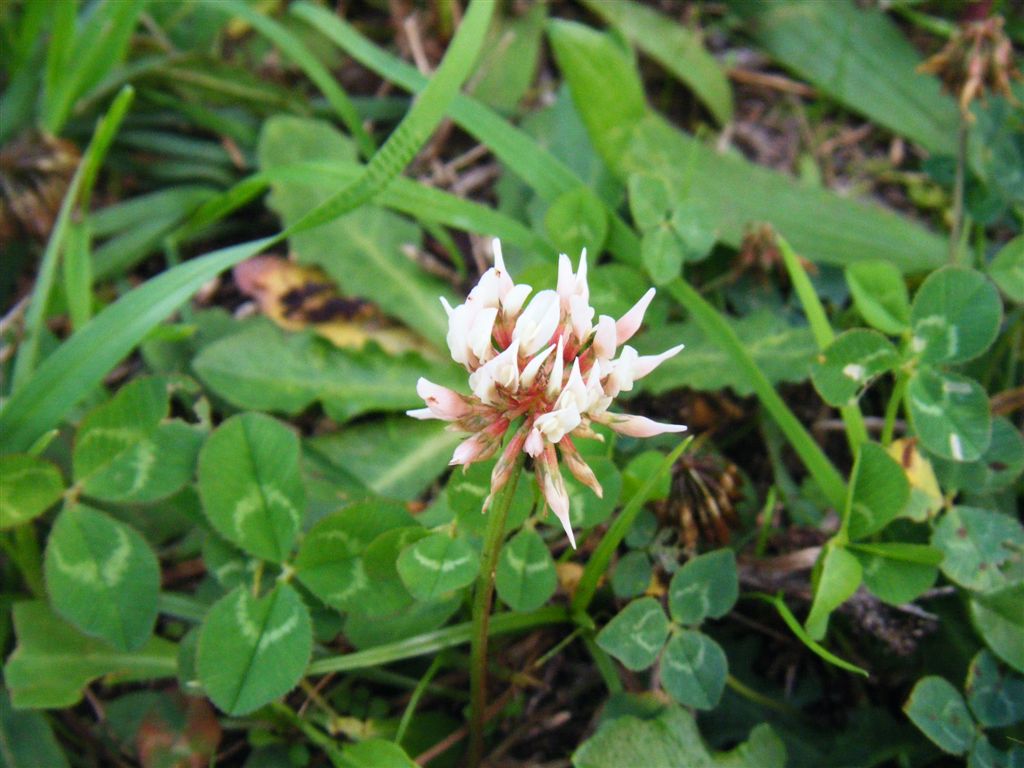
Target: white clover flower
x,y
544,362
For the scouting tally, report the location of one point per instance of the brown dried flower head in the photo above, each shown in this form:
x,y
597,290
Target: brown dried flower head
x,y
978,59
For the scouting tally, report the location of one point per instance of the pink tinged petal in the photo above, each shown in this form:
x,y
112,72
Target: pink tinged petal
x,y
637,426
579,468
630,322
534,444
422,413
502,471
604,338
532,368
552,485
647,363
469,450
557,371
570,284
442,402
447,307
538,322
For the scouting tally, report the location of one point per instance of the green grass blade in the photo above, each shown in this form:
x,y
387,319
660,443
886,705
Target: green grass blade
x,y
862,60
810,453
856,432
432,642
294,49
546,174
676,48
107,127
81,362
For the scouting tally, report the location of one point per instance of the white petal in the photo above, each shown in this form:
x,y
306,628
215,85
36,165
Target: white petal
x,y
533,367
630,322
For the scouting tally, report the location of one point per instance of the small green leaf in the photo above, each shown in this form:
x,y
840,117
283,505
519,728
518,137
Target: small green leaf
x,y
1000,621
387,594
984,550
955,316
28,487
329,563
950,414
649,201
367,631
586,508
102,576
850,363
880,295
662,253
1000,465
1007,269
26,740
893,580
437,565
113,440
689,223
632,575
375,753
639,469
229,565
878,491
645,526
253,650
577,220
467,491
839,578
995,695
53,662
939,711
602,74
984,755
525,577
707,586
251,486
669,739
693,670
635,636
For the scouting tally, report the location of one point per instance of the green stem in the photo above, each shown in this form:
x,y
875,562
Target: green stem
x,y
856,431
715,326
958,190
605,666
893,407
598,564
311,732
482,596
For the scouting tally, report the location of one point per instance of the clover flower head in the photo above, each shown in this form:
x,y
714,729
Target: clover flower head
x,y
545,365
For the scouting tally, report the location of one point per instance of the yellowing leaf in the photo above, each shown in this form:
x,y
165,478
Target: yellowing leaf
x,y
926,497
297,297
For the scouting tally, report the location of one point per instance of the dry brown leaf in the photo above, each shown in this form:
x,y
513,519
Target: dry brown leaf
x,y
297,297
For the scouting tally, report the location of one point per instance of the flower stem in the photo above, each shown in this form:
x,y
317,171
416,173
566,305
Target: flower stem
x,y
958,191
893,407
482,596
